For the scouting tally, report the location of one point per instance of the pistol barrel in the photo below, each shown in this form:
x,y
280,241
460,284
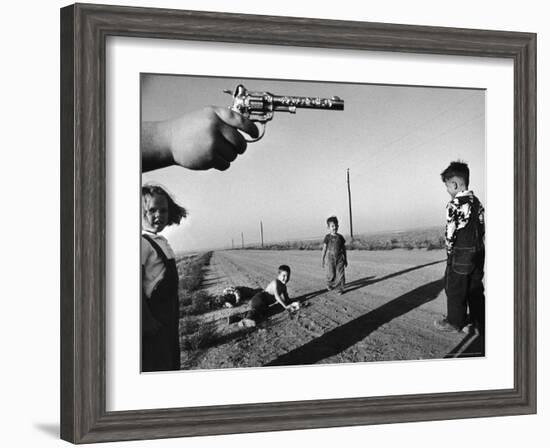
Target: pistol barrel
x,y
247,102
284,103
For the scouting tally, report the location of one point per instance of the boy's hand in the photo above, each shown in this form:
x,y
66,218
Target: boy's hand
x,y
208,138
200,140
294,306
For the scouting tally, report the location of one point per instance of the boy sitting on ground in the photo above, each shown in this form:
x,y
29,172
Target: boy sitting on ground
x,y
274,293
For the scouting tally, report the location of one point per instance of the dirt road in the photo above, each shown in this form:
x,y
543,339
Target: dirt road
x,y
387,313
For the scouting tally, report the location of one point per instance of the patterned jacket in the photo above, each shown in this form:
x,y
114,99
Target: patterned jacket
x,y
459,214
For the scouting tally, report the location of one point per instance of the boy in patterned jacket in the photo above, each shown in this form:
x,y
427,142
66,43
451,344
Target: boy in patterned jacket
x,y
464,236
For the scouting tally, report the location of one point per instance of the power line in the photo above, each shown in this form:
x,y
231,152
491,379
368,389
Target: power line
x,y
426,122
373,167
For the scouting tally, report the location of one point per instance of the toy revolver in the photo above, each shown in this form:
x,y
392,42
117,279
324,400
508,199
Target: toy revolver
x,y
259,107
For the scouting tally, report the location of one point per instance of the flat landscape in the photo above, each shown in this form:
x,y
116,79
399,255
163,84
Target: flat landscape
x,y
392,299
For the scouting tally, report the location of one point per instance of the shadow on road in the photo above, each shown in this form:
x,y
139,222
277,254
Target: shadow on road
x,y
471,346
343,337
210,281
366,281
311,295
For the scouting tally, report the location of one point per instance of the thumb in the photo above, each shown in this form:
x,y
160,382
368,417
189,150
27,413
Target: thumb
x,y
237,120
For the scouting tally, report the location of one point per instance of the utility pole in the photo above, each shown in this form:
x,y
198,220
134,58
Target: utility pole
x,y
262,233
242,240
349,201
232,243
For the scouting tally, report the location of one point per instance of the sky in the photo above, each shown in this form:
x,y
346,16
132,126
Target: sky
x,y
395,141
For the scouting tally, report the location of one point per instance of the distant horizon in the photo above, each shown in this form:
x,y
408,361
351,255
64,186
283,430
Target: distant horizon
x,y
312,238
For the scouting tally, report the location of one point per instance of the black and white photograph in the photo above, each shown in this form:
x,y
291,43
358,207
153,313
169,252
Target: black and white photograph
x,y
295,222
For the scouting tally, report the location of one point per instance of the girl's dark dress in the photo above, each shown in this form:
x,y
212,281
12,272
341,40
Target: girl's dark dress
x,y
161,350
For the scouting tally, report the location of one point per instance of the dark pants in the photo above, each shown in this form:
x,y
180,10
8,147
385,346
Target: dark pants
x,y
464,289
336,278
259,306
160,351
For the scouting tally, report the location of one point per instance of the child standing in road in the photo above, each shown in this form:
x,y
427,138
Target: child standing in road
x,y
334,245
160,348
464,235
274,293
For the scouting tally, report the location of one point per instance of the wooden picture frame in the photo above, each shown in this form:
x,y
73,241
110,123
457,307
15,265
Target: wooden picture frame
x,y
84,29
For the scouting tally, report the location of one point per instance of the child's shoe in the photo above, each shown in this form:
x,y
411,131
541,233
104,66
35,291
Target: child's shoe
x,y
470,329
444,325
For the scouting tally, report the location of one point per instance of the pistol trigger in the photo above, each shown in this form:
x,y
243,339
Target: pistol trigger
x,y
261,127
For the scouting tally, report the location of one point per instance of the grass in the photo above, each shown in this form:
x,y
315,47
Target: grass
x,y
408,241
195,333
202,336
190,270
